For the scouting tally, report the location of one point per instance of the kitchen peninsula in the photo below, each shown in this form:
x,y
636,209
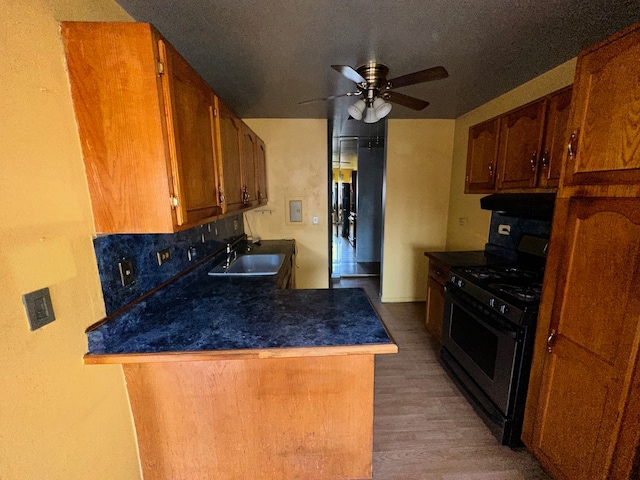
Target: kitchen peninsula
x,y
234,378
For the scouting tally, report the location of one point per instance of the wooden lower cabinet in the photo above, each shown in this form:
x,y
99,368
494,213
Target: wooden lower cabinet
x,y
590,359
438,274
255,418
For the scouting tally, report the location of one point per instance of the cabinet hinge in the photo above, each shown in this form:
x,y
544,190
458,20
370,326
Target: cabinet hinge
x,y
160,68
174,201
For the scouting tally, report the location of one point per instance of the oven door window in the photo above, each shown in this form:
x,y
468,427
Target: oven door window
x,y
478,342
486,351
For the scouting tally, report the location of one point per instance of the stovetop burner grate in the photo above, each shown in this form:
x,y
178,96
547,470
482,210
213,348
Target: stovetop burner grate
x,y
526,293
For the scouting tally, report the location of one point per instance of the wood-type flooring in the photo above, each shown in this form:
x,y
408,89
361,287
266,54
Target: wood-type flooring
x,y
424,429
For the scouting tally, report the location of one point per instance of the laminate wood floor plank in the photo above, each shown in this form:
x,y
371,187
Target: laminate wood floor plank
x,y
424,429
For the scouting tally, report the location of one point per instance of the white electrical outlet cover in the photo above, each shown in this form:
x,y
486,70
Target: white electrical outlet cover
x,y
504,229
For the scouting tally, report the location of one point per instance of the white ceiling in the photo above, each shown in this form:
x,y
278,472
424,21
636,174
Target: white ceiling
x,y
263,57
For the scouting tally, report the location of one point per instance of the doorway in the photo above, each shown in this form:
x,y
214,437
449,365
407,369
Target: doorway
x,y
357,179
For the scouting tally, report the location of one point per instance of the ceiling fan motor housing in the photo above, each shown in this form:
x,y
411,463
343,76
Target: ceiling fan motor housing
x,y
375,75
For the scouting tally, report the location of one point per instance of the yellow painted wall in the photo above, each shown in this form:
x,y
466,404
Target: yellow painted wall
x,y
297,168
418,169
346,175
468,226
59,419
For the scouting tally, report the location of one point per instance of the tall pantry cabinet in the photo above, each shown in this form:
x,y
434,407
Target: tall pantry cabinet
x,y
583,407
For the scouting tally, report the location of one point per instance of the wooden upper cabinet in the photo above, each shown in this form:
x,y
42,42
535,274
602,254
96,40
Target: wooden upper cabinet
x,y
554,143
145,123
521,149
189,110
119,106
605,116
519,146
249,166
481,157
583,406
261,172
230,138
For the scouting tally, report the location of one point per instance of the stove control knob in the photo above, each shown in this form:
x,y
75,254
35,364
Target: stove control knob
x,y
504,309
460,283
492,302
453,279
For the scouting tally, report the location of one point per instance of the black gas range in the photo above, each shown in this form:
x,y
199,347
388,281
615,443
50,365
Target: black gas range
x,y
488,334
510,290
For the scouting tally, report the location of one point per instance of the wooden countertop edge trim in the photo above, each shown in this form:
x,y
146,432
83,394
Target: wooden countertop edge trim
x,y
246,354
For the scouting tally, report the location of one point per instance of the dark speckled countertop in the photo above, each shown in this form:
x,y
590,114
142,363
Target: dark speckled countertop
x,y
200,313
454,259
469,258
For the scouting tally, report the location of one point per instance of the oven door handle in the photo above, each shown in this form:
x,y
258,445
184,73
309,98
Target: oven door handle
x,y
491,326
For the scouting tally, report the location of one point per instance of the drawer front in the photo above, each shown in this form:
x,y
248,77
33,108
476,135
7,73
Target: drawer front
x,y
438,271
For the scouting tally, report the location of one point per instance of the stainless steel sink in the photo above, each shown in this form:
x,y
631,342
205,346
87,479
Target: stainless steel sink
x,y
251,265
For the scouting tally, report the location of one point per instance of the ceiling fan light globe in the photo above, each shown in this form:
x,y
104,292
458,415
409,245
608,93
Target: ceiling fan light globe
x,y
370,115
381,108
356,109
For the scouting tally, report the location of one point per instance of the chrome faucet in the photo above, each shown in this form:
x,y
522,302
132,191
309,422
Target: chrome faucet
x,y
232,254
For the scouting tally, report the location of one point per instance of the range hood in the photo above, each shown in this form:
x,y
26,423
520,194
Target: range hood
x,y
523,205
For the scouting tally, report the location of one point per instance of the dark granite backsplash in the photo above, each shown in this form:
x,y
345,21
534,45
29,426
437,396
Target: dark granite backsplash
x,y
506,245
142,249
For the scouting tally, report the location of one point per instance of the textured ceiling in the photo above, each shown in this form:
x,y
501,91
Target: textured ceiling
x,y
263,57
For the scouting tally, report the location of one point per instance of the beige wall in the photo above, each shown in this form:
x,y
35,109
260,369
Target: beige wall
x,y
59,419
468,227
418,169
297,168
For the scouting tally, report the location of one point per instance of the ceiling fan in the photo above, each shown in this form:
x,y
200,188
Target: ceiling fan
x,y
374,88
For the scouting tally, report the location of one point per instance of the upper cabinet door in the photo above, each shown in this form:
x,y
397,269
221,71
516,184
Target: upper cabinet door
x,y
555,138
249,151
481,157
230,136
261,169
189,112
605,125
519,150
118,102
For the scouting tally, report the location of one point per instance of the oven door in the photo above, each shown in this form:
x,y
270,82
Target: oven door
x,y
486,346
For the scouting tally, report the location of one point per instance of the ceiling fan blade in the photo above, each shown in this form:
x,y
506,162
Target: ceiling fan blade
x,y
405,100
349,72
350,94
428,75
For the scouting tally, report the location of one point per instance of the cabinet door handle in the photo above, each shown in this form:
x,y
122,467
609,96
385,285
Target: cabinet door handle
x,y
551,339
220,195
534,159
572,147
545,159
491,169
